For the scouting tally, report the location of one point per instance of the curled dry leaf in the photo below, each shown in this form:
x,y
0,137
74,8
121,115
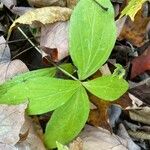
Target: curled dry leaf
x,y
54,40
9,68
44,3
45,15
11,121
98,138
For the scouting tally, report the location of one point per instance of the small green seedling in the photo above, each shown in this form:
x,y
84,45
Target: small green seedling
x,y
92,36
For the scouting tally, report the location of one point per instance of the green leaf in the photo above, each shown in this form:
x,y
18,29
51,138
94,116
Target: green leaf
x,y
107,88
44,93
46,72
132,8
68,120
92,35
61,147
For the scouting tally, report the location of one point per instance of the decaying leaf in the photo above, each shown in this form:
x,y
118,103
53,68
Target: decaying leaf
x,y
132,8
9,3
9,68
122,132
11,121
135,32
98,138
71,3
32,140
141,64
45,15
45,3
54,40
142,115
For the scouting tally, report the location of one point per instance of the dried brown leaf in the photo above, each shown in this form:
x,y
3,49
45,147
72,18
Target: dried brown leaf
x,y
135,32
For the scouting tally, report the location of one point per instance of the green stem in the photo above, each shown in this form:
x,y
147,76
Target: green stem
x,y
41,52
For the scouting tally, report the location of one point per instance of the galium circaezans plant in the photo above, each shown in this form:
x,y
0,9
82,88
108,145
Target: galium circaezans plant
x,y
92,35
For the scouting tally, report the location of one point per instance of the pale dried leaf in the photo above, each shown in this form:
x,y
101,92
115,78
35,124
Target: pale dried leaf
x,y
7,147
44,3
9,68
45,15
11,121
120,24
32,142
139,135
142,115
76,144
54,40
96,138
9,3
20,10
124,134
4,51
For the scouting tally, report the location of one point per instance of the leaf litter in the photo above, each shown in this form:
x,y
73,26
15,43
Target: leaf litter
x,y
133,131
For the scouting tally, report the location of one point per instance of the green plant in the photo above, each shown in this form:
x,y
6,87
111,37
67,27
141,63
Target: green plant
x,y
92,36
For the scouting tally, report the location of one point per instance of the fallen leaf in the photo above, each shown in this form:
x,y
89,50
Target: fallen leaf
x,y
132,8
140,64
54,40
45,15
32,141
135,32
98,138
7,147
71,3
120,24
9,68
11,121
142,115
45,3
9,3
100,116
142,92
122,132
76,144
139,135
